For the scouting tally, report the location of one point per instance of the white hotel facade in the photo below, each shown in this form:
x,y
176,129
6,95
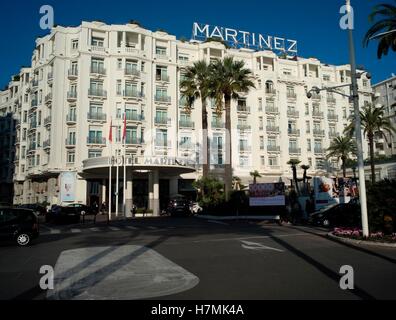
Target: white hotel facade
x,y
82,78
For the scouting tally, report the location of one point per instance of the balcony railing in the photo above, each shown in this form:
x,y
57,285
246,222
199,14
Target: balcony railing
x,y
163,143
98,70
98,48
72,95
162,77
71,118
270,91
70,142
317,114
243,148
132,72
291,95
97,116
47,144
186,124
163,121
132,94
73,73
161,98
319,133
316,96
96,140
244,127
273,148
48,98
34,103
33,125
333,135
218,124
331,100
293,113
185,146
32,147
272,129
319,151
244,109
162,56
332,117
134,117
50,76
294,132
294,150
97,93
47,120
133,140
271,110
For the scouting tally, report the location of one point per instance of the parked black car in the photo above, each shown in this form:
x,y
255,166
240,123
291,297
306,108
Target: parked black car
x,y
83,209
179,206
38,209
340,215
59,214
19,225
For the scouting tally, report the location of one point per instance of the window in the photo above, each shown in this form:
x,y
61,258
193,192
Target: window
x,y
119,64
97,42
307,109
243,161
94,154
162,73
161,138
272,161
326,77
119,87
309,145
74,45
262,161
161,51
262,143
38,160
183,58
97,66
308,126
71,156
25,113
260,103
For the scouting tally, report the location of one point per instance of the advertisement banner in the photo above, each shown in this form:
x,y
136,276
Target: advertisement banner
x,y
267,194
68,186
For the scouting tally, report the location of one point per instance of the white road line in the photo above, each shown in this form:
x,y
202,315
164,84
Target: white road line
x,y
94,229
254,237
131,228
257,246
218,222
75,230
55,231
114,229
152,228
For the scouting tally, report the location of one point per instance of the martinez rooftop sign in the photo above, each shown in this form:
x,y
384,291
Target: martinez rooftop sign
x,y
243,39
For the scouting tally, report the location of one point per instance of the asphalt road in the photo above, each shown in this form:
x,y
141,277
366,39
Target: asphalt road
x,y
189,258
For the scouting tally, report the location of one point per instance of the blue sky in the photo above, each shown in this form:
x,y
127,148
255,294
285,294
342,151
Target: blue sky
x,y
314,23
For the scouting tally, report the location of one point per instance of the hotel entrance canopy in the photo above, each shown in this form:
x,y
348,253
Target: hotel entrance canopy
x,y
164,165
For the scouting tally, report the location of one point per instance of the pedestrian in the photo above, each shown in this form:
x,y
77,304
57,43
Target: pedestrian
x,y
103,208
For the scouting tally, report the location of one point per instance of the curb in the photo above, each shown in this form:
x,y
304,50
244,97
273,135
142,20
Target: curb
x,y
361,242
228,218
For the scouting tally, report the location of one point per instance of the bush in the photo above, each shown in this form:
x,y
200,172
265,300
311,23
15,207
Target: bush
x,y
381,201
210,193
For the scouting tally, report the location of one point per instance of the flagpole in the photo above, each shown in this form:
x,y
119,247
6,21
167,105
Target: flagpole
x,y
118,181
110,167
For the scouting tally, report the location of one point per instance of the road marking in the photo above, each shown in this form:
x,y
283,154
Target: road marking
x,y
55,231
152,228
250,238
131,228
257,246
94,229
114,229
218,222
75,230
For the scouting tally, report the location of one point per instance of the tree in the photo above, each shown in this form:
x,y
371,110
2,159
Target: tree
x,y
230,77
373,122
210,192
255,175
384,30
342,148
194,86
305,176
294,163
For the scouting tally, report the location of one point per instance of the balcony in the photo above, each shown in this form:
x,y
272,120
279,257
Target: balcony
x,y
98,70
270,91
295,151
318,133
132,94
319,151
162,99
332,117
244,127
162,78
96,141
217,124
162,121
333,135
72,96
96,116
271,110
71,119
47,144
294,132
33,125
32,147
186,124
244,148
70,142
34,103
272,129
272,148
48,98
132,72
134,117
73,74
47,121
162,143
316,96
331,100
50,77
293,114
291,95
186,146
98,49
243,109
161,56
34,83
97,93
317,114
133,141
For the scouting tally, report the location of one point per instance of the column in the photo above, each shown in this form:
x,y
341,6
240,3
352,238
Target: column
x,y
129,195
174,186
154,203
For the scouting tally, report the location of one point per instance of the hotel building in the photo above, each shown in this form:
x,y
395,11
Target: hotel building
x,y
83,78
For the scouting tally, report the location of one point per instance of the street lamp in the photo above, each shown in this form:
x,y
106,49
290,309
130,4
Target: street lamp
x,y
354,97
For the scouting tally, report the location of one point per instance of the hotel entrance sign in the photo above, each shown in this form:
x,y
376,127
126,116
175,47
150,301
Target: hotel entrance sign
x,y
244,39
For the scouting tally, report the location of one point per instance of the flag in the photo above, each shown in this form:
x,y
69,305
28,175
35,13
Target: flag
x,y
111,131
124,130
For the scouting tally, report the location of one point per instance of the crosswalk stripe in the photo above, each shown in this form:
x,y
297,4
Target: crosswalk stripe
x,y
75,231
94,229
55,231
114,229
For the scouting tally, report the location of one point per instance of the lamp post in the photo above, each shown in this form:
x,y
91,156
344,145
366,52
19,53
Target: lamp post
x,y
354,96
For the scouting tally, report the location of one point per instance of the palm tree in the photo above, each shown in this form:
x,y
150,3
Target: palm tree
x,y
294,163
255,174
373,122
305,176
342,148
230,77
384,30
194,86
